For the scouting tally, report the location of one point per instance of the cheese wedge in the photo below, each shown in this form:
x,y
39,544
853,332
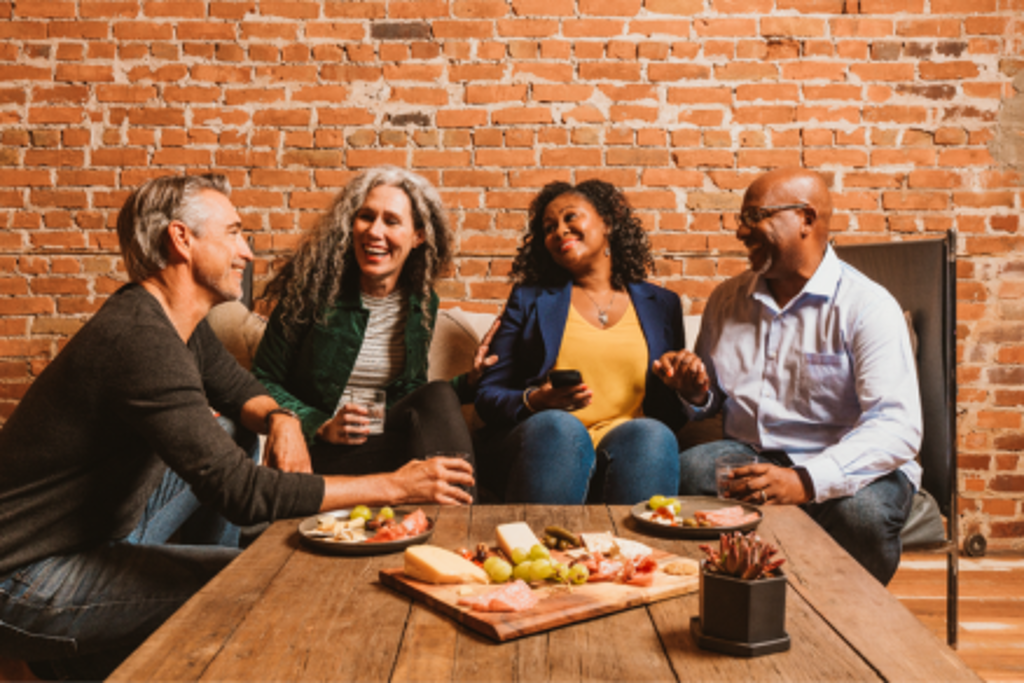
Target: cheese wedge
x,y
515,535
436,565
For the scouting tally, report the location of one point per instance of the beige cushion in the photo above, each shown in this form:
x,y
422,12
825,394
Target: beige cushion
x,y
457,333
238,329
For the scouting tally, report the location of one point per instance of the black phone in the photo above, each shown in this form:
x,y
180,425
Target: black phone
x,y
565,378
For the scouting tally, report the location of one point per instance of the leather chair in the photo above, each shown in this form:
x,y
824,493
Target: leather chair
x,y
921,275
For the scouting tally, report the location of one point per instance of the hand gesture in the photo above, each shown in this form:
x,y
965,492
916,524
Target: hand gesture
x,y
436,480
685,372
350,426
481,361
285,448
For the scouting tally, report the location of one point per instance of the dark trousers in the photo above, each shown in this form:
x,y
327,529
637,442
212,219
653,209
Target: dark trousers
x,y
425,422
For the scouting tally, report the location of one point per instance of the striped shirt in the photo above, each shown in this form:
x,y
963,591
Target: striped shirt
x,y
381,358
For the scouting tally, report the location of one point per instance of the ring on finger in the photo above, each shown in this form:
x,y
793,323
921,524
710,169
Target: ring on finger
x,y
764,496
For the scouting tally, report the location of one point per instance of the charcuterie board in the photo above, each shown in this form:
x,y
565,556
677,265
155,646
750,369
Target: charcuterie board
x,y
558,605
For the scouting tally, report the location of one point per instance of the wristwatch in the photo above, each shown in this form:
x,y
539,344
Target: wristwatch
x,y
278,411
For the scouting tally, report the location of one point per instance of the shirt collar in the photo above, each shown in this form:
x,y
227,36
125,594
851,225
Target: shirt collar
x,y
822,283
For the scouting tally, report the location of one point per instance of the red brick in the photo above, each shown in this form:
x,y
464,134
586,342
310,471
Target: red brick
x,y
658,27
945,71
743,71
570,156
684,7
206,30
521,115
591,28
143,30
610,8
677,72
46,9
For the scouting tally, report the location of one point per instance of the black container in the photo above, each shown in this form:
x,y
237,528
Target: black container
x,y
746,618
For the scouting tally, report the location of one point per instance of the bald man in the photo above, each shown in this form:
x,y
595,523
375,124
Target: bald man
x,y
811,364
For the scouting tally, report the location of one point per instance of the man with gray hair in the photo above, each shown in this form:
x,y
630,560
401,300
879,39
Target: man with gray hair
x,y
115,445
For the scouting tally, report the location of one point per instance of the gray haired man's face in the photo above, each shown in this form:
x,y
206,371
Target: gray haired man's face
x,y
221,254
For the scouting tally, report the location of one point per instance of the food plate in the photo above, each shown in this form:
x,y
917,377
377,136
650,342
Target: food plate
x,y
690,504
307,532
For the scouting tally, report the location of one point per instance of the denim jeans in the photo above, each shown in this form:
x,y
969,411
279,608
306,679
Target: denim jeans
x,y
552,460
867,524
79,615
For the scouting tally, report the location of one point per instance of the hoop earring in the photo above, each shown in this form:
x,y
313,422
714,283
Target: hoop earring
x,y
607,251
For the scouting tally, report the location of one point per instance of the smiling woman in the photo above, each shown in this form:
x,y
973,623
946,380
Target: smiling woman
x,y
355,309
582,309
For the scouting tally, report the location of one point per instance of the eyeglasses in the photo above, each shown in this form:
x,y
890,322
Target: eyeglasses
x,y
750,216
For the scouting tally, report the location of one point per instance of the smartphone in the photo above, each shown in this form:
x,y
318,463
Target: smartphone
x,y
565,378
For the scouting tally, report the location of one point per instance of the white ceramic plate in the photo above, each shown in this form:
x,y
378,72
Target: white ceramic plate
x,y
689,505
309,535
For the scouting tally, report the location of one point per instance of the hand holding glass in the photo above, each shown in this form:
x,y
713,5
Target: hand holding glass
x,y
724,467
373,400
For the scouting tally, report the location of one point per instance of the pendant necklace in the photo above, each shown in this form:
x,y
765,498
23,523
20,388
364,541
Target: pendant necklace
x,y
602,313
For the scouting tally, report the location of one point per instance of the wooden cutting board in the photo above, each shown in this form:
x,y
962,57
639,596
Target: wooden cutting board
x,y
557,606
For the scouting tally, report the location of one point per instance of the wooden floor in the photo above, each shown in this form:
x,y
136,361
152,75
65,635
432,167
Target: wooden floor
x,y
991,611
991,608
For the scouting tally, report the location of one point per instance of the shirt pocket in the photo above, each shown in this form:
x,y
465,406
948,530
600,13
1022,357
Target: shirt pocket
x,y
827,388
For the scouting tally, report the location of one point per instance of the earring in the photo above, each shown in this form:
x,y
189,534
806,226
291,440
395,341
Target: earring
x,y
607,251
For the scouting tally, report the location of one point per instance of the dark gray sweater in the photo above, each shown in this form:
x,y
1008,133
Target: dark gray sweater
x,y
124,400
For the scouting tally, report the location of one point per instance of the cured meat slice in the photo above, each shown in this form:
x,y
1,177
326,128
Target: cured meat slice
x,y
512,597
415,523
730,516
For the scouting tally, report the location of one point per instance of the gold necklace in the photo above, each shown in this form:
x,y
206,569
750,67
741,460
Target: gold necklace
x,y
602,313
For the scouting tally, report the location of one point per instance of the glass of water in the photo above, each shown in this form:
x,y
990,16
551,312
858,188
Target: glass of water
x,y
374,400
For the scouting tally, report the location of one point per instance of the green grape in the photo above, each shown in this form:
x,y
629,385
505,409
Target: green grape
x,y
541,570
386,513
657,502
579,574
498,569
522,571
539,552
360,511
561,572
519,556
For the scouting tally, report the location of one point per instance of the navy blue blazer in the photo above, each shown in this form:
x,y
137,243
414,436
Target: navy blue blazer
x,y
530,336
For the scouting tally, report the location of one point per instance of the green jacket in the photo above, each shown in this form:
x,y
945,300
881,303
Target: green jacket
x,y
309,375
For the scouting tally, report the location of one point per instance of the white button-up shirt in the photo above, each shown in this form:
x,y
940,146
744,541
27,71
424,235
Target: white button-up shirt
x,y
830,378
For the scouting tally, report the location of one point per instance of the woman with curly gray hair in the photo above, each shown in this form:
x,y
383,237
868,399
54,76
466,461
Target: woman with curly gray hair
x,y
356,310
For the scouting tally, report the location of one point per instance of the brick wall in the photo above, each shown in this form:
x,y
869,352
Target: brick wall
x,y
908,106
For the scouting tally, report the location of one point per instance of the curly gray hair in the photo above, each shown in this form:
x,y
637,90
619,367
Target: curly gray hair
x,y
311,281
143,220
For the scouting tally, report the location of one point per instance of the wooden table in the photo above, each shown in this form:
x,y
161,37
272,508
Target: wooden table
x,y
281,612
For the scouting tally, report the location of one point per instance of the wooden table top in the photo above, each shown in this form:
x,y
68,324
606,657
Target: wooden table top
x,y
282,612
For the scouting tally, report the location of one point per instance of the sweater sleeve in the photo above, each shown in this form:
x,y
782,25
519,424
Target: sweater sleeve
x,y
499,397
228,386
274,357
157,387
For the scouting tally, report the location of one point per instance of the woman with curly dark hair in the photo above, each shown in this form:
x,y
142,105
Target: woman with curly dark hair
x,y
356,310
581,304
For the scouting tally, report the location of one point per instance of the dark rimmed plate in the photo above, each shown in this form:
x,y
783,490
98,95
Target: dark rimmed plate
x,y
307,529
689,505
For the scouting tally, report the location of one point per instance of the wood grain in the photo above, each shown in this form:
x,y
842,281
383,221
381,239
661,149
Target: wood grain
x,y
853,603
187,643
283,612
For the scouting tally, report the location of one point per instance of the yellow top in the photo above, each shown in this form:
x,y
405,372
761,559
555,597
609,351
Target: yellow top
x,y
613,362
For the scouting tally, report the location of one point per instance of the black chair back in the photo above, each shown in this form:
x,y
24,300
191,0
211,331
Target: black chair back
x,y
921,275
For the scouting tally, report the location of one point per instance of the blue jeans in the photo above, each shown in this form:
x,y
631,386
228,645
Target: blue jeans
x,y
80,615
867,524
553,460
